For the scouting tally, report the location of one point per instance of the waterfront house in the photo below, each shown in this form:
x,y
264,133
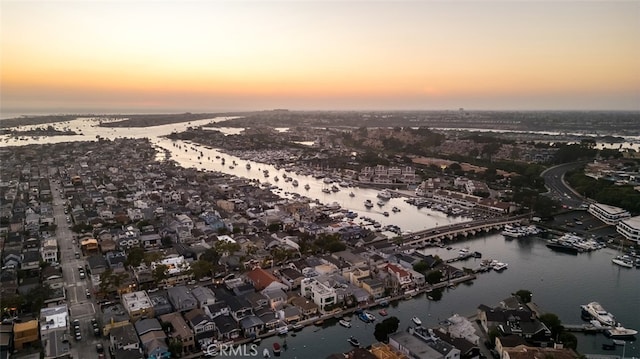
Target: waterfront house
x,y
402,278
524,351
179,330
202,326
322,295
519,321
226,328
374,287
251,326
307,308
268,317
290,314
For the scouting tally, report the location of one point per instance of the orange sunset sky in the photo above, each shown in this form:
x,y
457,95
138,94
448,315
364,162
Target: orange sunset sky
x,y
148,56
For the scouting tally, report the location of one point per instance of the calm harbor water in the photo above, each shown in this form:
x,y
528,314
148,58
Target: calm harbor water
x,y
560,283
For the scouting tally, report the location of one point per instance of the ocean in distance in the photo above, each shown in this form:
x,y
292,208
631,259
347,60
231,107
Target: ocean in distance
x,y
560,283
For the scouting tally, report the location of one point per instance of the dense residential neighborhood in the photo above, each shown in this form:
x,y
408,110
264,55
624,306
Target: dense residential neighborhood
x,y
101,239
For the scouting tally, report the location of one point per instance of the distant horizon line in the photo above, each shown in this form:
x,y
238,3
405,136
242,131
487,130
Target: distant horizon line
x,y
11,114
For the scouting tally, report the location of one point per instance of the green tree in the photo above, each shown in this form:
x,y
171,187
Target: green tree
x,y
150,257
135,257
434,276
175,348
421,267
386,327
160,273
524,295
210,255
201,268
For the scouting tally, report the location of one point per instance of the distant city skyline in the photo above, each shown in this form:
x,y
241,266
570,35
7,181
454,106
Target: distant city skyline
x,y
209,56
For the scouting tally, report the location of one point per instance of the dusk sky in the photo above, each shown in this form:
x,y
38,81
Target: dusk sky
x,y
174,56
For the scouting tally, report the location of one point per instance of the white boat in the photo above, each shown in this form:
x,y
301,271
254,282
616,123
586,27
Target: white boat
x,y
354,341
622,262
417,321
368,203
395,209
370,316
499,266
620,332
351,194
384,194
265,353
294,183
307,186
248,166
345,324
597,312
381,203
326,190
283,330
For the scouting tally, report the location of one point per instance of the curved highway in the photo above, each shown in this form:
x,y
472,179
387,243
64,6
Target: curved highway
x,y
558,188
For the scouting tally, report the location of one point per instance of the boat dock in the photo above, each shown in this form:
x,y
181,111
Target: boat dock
x,y
585,328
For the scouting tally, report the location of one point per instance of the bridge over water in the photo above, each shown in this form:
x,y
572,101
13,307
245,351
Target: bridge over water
x,y
466,229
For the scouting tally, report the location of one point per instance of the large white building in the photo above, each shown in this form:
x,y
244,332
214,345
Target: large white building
x,y
630,228
608,214
321,294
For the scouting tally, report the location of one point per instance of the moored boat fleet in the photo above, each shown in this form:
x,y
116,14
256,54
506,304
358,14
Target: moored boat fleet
x,y
574,244
514,231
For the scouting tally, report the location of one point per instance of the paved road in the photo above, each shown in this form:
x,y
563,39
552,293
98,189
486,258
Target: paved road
x,y
559,189
80,307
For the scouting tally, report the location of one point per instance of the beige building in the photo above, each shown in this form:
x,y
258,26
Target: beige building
x,y
137,304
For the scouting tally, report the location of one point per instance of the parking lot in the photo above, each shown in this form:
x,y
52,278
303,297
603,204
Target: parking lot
x,y
583,224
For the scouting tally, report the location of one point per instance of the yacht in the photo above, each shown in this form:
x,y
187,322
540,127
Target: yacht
x,y
294,183
623,261
368,203
345,323
385,213
326,190
395,209
595,310
416,321
276,178
381,203
334,188
248,165
620,332
351,194
307,186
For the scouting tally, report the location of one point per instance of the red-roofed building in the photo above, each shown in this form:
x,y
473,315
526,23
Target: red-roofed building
x,y
401,276
262,279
